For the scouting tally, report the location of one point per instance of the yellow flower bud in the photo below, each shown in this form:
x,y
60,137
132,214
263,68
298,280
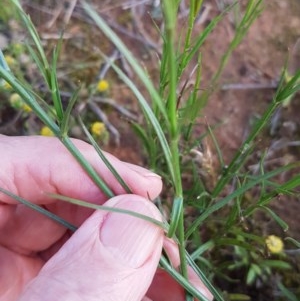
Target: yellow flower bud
x,y
45,131
98,128
6,86
26,108
102,85
10,60
16,101
274,244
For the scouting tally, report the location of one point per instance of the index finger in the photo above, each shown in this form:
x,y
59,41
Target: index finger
x,y
31,166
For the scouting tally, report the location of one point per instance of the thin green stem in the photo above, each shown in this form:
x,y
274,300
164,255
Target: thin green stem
x,y
170,12
191,289
86,166
194,9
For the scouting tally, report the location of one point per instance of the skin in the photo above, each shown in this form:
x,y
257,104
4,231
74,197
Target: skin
x,y
111,256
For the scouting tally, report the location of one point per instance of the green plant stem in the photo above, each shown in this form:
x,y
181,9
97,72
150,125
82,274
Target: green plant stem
x,y
194,9
191,289
170,12
190,27
40,209
86,166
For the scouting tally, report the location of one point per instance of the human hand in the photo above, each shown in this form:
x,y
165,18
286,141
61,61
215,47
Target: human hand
x,y
112,256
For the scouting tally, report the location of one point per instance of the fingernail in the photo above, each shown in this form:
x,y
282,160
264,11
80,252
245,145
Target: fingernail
x,y
129,239
143,171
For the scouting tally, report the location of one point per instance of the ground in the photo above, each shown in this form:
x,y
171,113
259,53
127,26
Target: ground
x,y
244,91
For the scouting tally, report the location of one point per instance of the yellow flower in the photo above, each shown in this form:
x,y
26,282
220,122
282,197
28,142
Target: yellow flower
x,y
98,128
10,60
16,101
45,131
274,244
102,85
18,48
26,108
6,86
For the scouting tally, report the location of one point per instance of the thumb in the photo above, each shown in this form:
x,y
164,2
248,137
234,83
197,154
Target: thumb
x,y
112,256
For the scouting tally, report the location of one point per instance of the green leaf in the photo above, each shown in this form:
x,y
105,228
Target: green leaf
x,y
185,283
54,84
277,219
278,264
141,133
36,39
103,158
203,278
67,114
87,166
3,62
293,241
290,88
151,117
252,274
107,208
234,242
223,202
239,297
39,63
175,215
290,296
200,41
203,248
40,209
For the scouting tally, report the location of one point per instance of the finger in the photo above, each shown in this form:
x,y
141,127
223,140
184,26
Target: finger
x,y
164,287
31,166
16,270
112,256
25,174
27,231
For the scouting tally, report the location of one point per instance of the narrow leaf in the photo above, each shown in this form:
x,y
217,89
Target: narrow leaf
x,y
103,158
106,208
40,210
67,114
175,215
279,221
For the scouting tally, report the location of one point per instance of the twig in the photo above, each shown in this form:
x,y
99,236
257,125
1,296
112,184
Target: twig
x,y
183,10
107,64
131,4
56,36
118,108
133,35
275,120
203,14
38,7
69,11
140,27
239,86
124,5
57,12
117,27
